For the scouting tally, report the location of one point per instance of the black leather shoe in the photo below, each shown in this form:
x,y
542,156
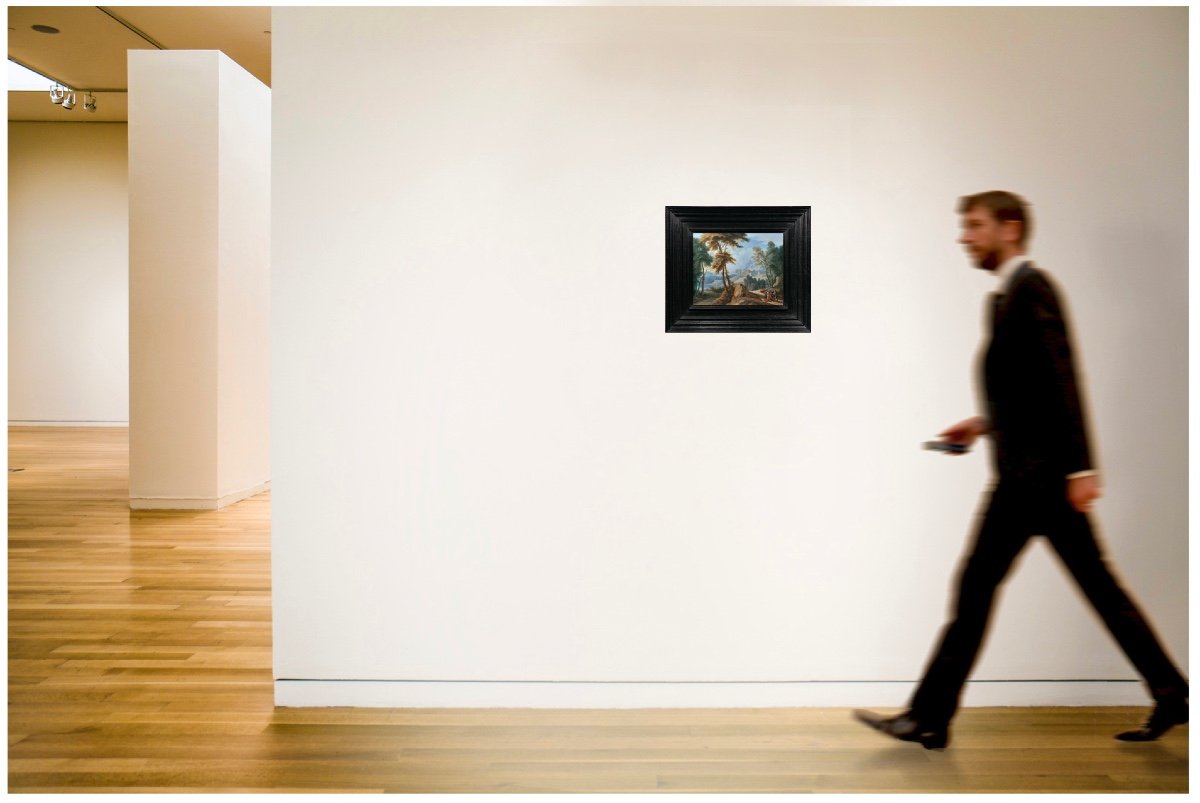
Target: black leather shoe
x,y
906,729
1166,715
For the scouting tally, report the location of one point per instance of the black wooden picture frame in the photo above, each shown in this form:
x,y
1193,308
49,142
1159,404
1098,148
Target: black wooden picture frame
x,y
795,312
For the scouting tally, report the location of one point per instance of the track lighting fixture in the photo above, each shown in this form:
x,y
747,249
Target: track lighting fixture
x,y
66,97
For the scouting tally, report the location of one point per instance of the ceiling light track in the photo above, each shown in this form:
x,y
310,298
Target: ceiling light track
x,y
130,27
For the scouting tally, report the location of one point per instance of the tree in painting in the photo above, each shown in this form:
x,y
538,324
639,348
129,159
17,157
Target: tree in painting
x,y
719,244
701,260
770,259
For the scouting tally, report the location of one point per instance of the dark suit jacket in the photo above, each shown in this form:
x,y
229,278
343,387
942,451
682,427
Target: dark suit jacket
x,y
1038,428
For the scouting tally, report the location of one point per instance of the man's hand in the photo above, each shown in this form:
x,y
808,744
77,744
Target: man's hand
x,y
965,432
1082,491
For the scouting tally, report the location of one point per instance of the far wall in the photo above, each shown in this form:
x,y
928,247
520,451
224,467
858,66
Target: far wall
x,y
68,276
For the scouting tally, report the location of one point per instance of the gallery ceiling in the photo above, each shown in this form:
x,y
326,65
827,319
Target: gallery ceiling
x,y
89,50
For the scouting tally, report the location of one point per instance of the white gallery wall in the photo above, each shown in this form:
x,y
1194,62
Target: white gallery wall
x,y
492,464
68,274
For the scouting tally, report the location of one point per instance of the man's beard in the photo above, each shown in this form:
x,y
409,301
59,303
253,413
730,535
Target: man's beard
x,y
989,261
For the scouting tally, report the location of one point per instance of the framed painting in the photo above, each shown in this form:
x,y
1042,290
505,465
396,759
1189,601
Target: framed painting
x,y
738,269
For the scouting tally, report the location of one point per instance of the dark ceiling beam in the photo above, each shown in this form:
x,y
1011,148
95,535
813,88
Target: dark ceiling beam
x,y
137,32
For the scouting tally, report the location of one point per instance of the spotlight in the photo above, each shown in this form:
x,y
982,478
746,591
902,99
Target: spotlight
x,y
57,94
69,102
89,102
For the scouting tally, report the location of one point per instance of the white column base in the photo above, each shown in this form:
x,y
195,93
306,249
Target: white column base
x,y
833,694
166,503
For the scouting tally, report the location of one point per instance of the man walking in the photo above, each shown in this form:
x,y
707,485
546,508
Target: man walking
x,y
1046,484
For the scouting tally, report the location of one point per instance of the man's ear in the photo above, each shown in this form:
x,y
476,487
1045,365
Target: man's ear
x,y
1010,231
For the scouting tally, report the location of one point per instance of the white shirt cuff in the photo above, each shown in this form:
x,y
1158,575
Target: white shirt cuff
x,y
1078,474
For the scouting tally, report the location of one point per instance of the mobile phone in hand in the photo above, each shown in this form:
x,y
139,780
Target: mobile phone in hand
x,y
947,446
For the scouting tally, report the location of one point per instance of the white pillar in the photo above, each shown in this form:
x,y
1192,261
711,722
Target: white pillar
x,y
199,280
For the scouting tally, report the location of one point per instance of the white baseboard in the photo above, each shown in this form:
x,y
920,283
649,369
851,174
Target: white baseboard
x,y
516,694
175,503
68,423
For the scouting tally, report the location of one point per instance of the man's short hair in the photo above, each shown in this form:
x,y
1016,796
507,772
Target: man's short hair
x,y
1003,206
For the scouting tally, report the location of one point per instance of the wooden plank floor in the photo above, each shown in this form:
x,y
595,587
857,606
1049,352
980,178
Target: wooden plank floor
x,y
139,659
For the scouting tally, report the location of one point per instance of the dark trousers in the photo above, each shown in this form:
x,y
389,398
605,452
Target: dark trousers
x,y
1015,513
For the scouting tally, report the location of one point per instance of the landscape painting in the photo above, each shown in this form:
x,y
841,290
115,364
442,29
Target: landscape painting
x,y
737,269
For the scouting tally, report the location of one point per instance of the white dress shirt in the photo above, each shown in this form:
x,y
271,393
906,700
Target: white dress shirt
x,y
1005,272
